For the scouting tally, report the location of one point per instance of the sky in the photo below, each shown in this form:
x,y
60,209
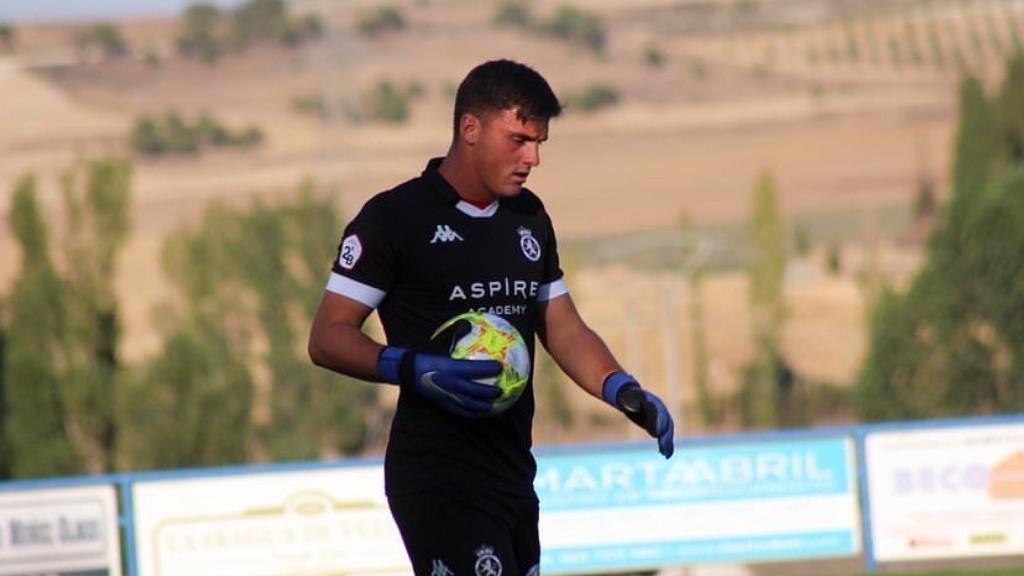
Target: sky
x,y
14,11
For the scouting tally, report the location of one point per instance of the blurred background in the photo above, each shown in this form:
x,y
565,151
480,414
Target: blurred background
x,y
778,213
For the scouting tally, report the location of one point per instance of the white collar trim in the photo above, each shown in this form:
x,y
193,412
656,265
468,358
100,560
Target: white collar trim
x,y
473,211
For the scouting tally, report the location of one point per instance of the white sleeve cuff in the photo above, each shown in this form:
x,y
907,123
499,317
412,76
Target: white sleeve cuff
x,y
552,290
355,290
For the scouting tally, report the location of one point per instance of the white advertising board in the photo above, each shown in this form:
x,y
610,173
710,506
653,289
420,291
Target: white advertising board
x,y
311,522
745,502
60,531
946,492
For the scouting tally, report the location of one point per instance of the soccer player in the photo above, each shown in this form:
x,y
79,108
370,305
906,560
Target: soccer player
x,y
466,235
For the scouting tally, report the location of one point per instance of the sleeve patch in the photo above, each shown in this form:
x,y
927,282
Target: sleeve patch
x,y
351,250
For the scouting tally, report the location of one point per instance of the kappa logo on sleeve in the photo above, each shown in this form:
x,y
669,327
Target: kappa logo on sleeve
x,y
351,250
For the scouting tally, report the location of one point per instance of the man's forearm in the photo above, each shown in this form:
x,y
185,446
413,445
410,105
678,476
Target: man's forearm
x,y
345,349
584,357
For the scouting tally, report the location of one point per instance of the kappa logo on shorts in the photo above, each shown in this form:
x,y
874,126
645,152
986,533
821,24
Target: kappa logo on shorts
x,y
439,568
529,244
351,250
444,233
487,564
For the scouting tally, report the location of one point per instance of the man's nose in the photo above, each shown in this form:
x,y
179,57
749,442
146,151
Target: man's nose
x,y
532,154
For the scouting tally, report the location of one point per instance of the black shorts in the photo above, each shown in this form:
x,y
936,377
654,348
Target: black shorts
x,y
453,533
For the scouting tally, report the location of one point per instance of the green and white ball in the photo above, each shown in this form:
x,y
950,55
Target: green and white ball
x,y
491,337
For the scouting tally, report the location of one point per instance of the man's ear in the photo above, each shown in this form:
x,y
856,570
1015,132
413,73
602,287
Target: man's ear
x,y
469,128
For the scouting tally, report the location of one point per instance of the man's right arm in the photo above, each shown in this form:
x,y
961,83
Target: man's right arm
x,y
337,342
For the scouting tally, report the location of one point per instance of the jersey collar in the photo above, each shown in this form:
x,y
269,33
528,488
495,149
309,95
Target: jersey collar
x,y
447,192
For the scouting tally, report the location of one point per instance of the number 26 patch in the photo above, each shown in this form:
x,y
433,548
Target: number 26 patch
x,y
351,250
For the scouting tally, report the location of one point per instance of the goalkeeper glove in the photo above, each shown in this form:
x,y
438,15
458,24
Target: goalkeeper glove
x,y
448,382
642,407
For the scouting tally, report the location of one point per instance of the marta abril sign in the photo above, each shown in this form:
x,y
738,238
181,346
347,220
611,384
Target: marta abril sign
x,y
60,531
731,503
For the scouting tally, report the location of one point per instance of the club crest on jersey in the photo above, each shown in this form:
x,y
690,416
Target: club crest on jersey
x,y
529,244
351,250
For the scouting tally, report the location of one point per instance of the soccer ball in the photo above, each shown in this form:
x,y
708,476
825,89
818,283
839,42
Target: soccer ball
x,y
491,337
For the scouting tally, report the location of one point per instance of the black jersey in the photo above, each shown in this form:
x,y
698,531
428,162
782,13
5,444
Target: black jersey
x,y
420,255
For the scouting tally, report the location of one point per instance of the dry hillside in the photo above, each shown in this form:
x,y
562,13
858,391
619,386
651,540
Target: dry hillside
x,y
813,91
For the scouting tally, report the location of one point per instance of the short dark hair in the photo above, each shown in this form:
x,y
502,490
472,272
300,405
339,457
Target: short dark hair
x,y
501,85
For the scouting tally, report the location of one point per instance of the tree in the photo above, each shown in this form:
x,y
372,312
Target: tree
x,y
259,20
146,137
200,32
8,37
234,363
766,272
5,456
976,144
388,104
578,27
97,196
35,427
1010,111
383,20
951,345
106,38
514,14
63,367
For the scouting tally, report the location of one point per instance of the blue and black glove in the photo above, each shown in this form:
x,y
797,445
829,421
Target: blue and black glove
x,y
645,409
442,379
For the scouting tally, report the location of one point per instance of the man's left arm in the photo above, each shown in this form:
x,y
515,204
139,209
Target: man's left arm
x,y
586,359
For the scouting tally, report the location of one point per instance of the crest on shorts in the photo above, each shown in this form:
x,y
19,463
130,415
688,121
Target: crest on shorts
x,y
529,244
487,564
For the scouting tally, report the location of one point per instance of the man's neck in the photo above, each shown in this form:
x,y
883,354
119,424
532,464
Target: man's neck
x,y
457,171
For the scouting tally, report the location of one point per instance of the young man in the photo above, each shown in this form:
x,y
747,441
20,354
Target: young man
x,y
466,235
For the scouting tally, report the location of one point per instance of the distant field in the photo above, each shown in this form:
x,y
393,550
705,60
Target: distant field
x,y
794,90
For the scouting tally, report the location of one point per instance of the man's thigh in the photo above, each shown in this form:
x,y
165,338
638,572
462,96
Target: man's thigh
x,y
453,535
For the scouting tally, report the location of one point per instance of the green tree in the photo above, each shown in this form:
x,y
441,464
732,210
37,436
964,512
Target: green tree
x,y
8,36
97,197
63,366
592,98
975,147
1010,111
106,38
514,13
766,273
146,137
5,454
381,21
654,57
259,20
234,362
710,415
949,345
388,104
201,31
578,27
35,426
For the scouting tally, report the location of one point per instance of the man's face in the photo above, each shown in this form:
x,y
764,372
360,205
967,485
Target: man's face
x,y
505,149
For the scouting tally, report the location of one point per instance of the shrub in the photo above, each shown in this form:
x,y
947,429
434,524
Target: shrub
x,y
579,27
382,20
654,57
594,97
514,13
388,104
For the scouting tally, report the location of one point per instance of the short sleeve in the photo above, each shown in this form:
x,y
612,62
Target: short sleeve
x,y
364,266
553,284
